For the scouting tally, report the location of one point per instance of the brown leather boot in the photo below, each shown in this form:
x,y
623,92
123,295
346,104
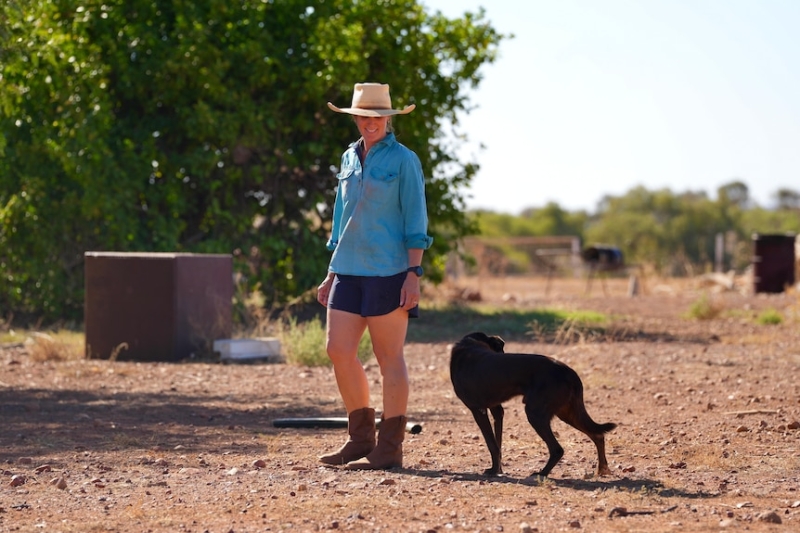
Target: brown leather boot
x,y
361,441
389,451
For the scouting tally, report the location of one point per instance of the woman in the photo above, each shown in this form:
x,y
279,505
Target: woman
x,y
378,236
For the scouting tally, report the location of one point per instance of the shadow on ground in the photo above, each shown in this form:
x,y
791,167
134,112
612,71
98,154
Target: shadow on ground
x,y
42,422
588,485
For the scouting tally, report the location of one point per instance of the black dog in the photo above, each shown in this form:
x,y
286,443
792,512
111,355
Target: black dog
x,y
484,377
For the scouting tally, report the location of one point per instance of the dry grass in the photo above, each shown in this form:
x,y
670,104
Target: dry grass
x,y
705,308
57,346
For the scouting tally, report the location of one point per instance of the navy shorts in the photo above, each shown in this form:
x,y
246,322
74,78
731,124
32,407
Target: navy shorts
x,y
368,295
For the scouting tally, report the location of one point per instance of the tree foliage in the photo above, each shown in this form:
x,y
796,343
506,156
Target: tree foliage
x,y
156,125
661,228
787,199
675,233
548,220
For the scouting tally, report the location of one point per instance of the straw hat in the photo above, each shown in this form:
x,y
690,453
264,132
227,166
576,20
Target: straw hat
x,y
372,100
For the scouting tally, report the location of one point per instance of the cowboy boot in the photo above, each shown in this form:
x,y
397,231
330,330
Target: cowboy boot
x,y
389,451
361,441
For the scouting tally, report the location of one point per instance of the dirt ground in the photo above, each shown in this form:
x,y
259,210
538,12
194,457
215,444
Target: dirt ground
x,y
708,435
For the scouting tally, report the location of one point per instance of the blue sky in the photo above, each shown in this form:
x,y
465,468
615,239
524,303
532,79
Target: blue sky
x,y
595,97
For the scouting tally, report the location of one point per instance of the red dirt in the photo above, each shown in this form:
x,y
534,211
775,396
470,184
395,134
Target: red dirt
x,y
708,437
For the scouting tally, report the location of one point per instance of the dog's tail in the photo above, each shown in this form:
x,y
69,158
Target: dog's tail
x,y
582,420
593,428
603,428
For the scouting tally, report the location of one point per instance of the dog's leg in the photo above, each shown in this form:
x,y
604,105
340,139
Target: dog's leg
x,y
540,420
576,416
602,463
482,418
497,413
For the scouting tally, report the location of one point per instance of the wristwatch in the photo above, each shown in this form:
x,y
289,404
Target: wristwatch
x,y
416,270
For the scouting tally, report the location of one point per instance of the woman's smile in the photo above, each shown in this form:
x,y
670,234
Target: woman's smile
x,y
373,129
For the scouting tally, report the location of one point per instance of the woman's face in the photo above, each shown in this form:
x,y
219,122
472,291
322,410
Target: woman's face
x,y
373,129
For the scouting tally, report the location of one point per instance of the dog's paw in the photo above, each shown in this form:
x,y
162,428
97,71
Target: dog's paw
x,y
604,471
493,472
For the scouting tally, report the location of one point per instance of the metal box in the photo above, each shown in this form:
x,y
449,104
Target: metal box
x,y
156,306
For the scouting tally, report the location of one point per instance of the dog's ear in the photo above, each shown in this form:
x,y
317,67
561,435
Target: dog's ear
x,y
496,343
493,342
478,336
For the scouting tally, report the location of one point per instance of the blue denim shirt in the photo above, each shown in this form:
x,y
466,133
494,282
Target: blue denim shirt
x,y
380,211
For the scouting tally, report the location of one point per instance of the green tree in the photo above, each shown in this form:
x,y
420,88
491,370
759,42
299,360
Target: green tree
x,y
765,221
520,256
634,223
675,233
551,219
735,193
142,125
788,199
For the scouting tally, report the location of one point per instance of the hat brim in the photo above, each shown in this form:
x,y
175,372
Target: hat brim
x,y
372,112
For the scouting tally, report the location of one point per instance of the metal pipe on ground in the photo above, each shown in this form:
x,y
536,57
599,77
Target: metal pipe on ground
x,y
332,422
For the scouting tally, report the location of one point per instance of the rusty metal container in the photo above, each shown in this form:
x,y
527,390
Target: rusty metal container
x,y
773,262
156,306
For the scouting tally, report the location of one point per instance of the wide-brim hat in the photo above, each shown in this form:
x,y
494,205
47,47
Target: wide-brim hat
x,y
372,100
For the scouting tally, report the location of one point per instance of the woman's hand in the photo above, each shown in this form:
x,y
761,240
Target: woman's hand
x,y
410,293
324,289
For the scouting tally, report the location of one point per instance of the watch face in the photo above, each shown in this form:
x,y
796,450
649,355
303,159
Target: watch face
x,y
417,270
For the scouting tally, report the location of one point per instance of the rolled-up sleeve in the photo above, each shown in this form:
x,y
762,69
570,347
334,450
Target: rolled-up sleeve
x,y
415,210
335,225
338,211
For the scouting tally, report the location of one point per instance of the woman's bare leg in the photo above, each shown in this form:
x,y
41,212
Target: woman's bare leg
x,y
344,332
388,334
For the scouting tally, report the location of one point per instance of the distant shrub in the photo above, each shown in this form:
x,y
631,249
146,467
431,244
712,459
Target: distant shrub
x,y
704,308
769,317
304,343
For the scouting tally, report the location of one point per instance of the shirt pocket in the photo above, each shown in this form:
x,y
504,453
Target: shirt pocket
x,y
383,187
347,183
